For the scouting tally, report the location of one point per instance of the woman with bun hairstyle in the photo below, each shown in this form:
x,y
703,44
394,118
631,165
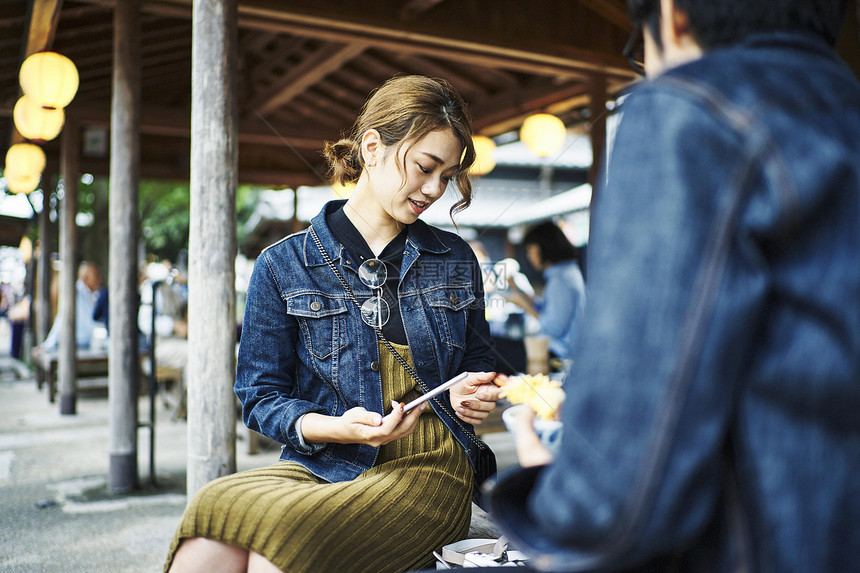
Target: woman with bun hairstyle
x,y
345,322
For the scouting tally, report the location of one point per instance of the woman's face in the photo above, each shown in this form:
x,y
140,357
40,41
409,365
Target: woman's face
x,y
430,164
534,257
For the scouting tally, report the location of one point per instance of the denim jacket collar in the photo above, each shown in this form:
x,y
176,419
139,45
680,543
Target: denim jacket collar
x,y
421,237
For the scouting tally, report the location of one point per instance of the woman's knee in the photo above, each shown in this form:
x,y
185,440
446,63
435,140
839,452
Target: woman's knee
x,y
205,555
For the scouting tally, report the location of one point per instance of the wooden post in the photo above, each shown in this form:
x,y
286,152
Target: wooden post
x,y
123,358
212,244
66,360
44,272
597,111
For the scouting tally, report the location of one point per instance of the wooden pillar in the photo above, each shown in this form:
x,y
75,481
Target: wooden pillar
x,y
123,362
44,272
212,244
597,111
66,360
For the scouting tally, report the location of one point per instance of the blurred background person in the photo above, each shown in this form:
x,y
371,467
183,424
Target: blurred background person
x,y
86,294
560,307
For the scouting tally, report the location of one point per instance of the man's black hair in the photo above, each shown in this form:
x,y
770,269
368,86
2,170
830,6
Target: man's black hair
x,y
552,242
716,23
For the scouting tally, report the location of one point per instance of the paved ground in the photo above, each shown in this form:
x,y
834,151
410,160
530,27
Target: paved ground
x,y
56,514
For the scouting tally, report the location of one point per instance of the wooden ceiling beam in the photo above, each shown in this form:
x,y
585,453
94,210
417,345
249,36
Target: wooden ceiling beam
x,y
161,121
44,16
414,8
611,10
447,42
466,46
285,50
506,111
311,70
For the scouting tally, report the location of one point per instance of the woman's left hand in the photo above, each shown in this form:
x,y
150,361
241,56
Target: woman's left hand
x,y
475,397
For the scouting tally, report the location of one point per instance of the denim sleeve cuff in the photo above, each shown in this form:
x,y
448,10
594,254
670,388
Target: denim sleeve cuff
x,y
290,426
305,448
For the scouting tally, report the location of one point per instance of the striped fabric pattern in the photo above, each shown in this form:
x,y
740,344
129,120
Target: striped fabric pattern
x,y
416,499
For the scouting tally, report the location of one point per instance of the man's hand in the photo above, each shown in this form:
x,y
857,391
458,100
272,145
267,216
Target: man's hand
x,y
475,397
530,450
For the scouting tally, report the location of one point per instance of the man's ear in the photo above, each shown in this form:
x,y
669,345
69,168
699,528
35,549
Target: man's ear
x,y
371,147
675,25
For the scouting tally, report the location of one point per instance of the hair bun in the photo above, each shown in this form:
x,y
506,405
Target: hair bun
x,y
344,161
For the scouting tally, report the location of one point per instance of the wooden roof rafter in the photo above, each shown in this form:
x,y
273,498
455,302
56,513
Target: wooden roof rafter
x,y
305,68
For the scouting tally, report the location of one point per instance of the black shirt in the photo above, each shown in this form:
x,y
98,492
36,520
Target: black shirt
x,y
392,255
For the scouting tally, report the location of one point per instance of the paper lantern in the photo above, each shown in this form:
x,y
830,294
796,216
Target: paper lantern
x,y
36,122
484,151
50,79
25,158
543,133
22,183
25,247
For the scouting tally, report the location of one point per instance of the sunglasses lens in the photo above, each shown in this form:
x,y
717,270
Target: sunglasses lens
x,y
375,312
372,273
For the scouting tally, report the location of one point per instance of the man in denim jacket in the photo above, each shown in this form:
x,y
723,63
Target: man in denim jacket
x,y
712,419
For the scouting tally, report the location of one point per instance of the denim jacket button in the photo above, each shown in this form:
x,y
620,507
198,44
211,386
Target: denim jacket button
x,y
453,299
374,366
315,306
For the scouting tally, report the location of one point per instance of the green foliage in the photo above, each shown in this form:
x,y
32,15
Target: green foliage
x,y
164,210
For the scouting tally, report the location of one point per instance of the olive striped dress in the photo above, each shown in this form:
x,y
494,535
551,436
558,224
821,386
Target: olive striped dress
x,y
390,518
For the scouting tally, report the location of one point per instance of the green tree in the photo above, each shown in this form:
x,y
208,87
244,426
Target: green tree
x,y
164,217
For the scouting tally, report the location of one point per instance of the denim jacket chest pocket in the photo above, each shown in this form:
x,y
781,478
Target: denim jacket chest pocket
x,y
450,308
322,323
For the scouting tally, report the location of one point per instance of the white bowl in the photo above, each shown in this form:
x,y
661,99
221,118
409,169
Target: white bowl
x,y
549,431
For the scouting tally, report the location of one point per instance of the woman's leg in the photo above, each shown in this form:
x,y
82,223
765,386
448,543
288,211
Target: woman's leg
x,y
207,555
259,564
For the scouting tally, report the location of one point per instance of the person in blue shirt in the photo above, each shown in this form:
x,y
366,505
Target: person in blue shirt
x,y
559,310
711,418
86,295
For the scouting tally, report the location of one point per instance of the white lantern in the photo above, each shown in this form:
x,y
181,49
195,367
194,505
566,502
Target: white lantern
x,y
485,149
21,183
543,133
25,158
50,79
36,122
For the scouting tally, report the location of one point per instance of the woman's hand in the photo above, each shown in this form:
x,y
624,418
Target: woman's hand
x,y
475,397
360,426
530,450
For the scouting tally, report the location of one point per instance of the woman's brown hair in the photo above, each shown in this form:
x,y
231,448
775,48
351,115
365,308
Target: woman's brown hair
x,y
405,109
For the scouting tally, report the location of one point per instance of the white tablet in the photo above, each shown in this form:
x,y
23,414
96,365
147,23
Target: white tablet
x,y
437,390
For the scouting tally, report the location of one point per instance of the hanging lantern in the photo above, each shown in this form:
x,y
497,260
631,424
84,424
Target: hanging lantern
x,y
50,79
36,122
543,133
484,151
25,247
21,183
25,158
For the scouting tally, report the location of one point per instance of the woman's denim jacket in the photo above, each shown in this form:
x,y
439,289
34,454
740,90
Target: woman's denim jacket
x,y
712,419
305,348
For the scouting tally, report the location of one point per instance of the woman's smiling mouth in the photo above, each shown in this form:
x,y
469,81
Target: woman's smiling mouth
x,y
419,206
